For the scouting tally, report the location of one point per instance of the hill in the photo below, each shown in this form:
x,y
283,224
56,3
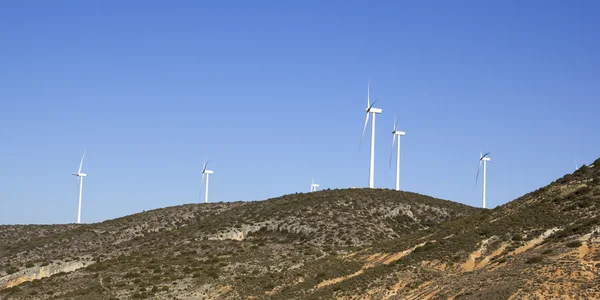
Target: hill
x,y
543,245
225,250
335,244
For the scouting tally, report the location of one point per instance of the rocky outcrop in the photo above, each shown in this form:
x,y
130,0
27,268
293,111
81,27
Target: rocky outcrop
x,y
41,272
241,233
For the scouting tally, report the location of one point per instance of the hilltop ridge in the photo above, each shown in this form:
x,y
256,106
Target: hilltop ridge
x,y
306,226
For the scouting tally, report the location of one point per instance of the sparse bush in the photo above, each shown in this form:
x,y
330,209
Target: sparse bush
x,y
574,244
534,260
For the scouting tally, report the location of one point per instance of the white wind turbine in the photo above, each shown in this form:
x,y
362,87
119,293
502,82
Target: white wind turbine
x,y
576,166
80,178
207,173
484,159
313,185
398,134
372,110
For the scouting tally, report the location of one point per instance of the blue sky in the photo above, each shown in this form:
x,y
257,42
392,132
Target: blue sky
x,y
272,91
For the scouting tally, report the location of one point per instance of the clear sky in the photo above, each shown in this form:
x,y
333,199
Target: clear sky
x,y
272,91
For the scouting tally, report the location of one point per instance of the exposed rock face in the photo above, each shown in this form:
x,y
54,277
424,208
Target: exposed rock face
x,y
238,234
40,272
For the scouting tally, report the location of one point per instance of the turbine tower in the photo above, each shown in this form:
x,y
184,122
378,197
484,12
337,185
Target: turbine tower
x,y
80,178
370,110
398,134
313,185
207,173
484,159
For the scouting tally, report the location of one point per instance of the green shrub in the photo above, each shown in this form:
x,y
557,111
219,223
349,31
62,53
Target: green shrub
x,y
534,260
574,244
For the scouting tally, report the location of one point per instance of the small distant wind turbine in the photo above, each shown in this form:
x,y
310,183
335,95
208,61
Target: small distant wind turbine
x,y
206,172
394,134
80,178
576,166
484,159
313,185
374,111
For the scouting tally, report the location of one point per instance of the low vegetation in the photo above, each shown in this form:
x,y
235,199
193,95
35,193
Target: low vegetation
x,y
328,244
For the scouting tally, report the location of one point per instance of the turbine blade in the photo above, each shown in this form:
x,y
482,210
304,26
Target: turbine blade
x,y
313,179
369,93
363,132
81,163
368,109
396,125
485,155
392,150
477,177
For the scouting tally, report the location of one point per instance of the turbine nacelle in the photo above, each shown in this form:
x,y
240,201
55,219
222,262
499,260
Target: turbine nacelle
x,y
486,159
396,132
208,172
374,110
80,174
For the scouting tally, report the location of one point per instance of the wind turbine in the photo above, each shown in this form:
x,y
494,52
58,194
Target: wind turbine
x,y
207,173
372,110
394,134
484,159
80,178
313,185
576,166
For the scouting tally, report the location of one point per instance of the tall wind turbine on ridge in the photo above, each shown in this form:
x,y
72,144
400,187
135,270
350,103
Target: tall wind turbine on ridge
x,y
80,178
313,185
370,110
394,134
207,173
484,159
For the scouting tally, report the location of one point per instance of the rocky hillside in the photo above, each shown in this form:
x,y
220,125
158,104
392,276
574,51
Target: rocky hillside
x,y
222,250
544,245
338,244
